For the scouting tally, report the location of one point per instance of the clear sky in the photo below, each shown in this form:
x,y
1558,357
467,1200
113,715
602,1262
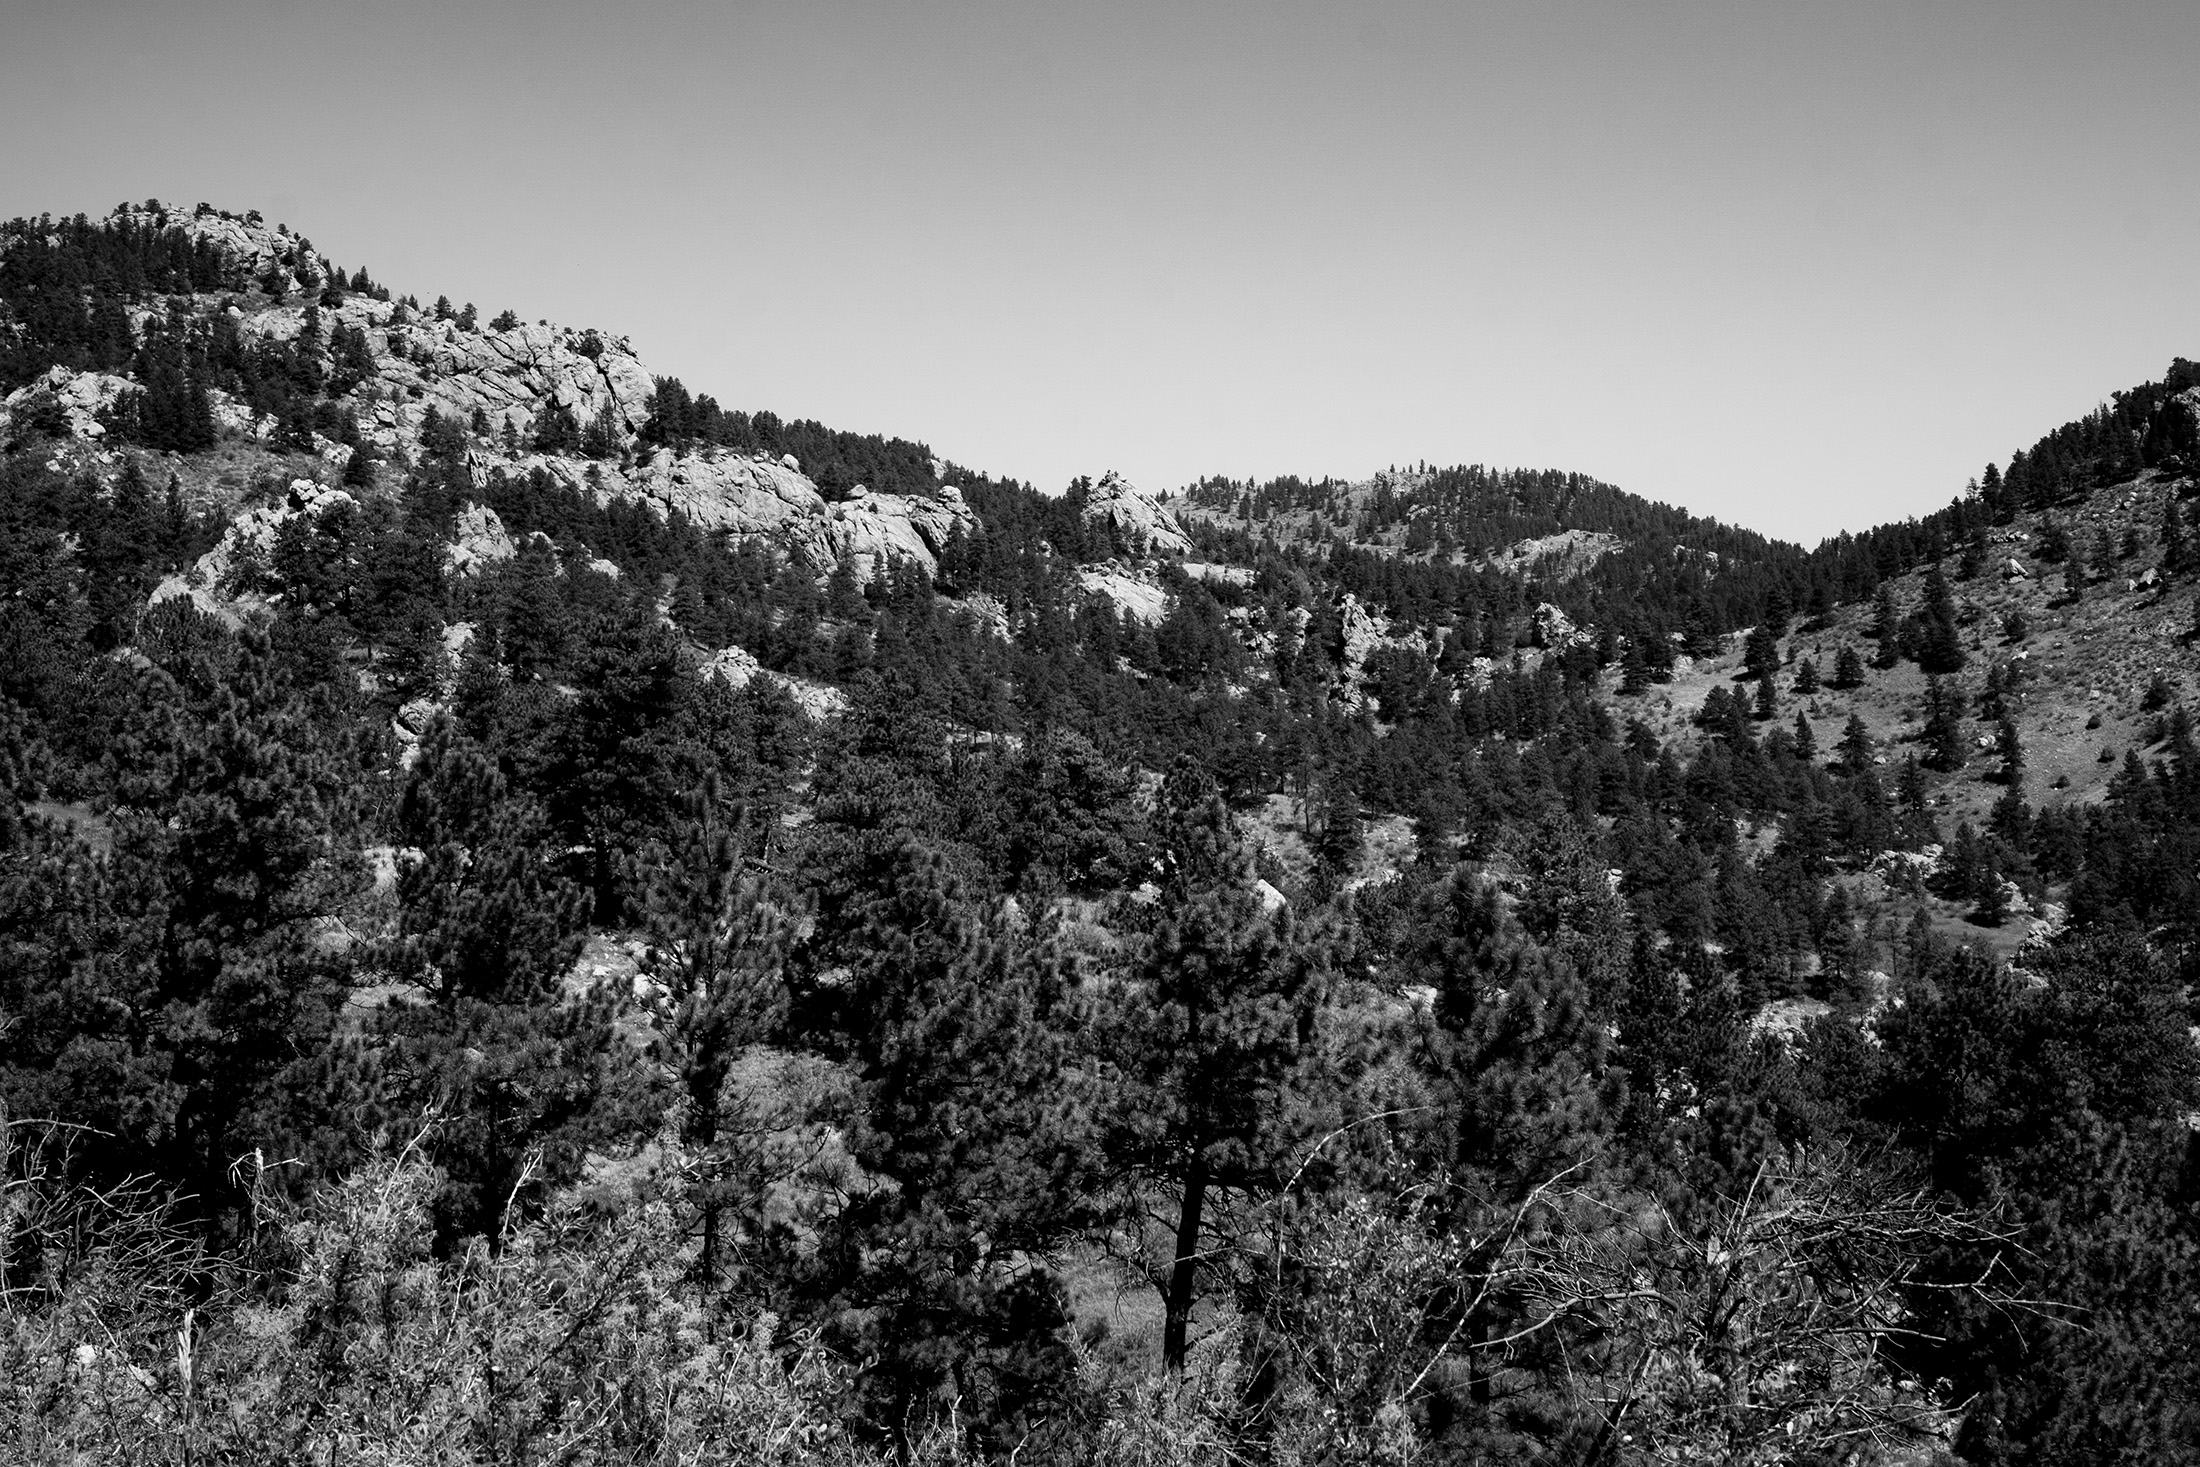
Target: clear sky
x,y
1803,267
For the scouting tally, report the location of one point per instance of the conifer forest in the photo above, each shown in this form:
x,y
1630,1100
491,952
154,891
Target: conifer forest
x,y
544,919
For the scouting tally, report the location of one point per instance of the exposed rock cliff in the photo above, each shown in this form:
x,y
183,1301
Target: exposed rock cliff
x,y
504,385
1142,524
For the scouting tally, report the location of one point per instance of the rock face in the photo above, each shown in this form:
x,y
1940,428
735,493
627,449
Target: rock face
x,y
1555,629
739,667
1567,553
511,382
76,397
218,583
1363,633
478,541
1134,597
1141,523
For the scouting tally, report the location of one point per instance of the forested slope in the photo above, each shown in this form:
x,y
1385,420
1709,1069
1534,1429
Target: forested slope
x,y
546,919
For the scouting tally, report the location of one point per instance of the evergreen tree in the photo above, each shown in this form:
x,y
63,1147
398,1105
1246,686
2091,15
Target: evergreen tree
x,y
1806,678
1943,729
617,754
1887,627
2009,747
236,824
975,1113
526,1078
1806,743
719,944
1761,652
1521,1053
1974,555
1856,748
1634,669
1339,836
1991,898
1939,645
1216,1031
1848,668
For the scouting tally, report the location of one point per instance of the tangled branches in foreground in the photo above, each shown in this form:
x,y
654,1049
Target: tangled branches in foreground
x,y
1768,1328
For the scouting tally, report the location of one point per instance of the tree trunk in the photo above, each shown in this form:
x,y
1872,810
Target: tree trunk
x,y
1182,1276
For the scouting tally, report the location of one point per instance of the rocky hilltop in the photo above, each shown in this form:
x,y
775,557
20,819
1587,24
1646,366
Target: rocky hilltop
x,y
507,381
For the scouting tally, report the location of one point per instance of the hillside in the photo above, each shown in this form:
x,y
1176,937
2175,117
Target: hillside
x,y
543,918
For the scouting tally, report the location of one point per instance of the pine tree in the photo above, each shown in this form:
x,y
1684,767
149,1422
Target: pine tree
x,y
482,914
1634,669
974,1106
1910,785
241,805
2009,747
1768,697
1974,555
1523,1058
359,468
1991,905
618,755
175,524
2176,545
719,946
1215,1032
1339,838
1855,747
1939,646
1806,678
1943,730
415,662
1761,652
1848,668
1887,627
525,1078
1806,743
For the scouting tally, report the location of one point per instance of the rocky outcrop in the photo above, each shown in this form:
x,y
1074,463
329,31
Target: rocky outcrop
x,y
1136,597
760,497
872,530
1567,553
511,381
1554,629
220,583
989,611
1142,525
72,401
1363,633
1218,575
478,540
738,667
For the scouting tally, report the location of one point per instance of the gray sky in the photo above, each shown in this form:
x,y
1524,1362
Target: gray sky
x,y
1803,267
